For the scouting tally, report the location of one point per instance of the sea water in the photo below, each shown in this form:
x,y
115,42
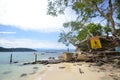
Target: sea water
x,y
18,71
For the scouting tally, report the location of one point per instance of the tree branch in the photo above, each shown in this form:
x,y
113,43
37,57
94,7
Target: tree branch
x,y
101,12
110,6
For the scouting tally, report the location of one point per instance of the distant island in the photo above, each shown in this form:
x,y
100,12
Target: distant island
x,y
2,49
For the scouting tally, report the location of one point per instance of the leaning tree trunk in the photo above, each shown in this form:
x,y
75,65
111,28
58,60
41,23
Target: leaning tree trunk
x,y
112,25
110,17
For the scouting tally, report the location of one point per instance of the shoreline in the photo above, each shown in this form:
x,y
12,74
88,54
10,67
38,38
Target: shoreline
x,y
77,71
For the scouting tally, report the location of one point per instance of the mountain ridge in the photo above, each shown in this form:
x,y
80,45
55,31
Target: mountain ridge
x,y
2,49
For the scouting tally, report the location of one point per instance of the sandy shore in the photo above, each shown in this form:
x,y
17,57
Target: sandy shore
x,y
77,71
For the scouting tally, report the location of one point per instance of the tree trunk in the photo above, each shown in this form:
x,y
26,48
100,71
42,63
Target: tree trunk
x,y
112,24
110,17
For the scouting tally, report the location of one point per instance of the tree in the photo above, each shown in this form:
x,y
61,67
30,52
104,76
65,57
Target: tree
x,y
65,38
90,30
118,8
87,9
107,30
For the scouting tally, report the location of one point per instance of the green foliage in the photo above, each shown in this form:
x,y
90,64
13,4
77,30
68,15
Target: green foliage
x,y
118,32
117,3
82,34
65,37
107,29
74,25
87,9
95,30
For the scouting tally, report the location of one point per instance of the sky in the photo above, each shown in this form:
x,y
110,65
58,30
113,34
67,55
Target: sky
x,y
24,23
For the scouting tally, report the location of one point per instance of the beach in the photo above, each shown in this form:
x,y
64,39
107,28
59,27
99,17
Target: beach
x,y
57,71
77,71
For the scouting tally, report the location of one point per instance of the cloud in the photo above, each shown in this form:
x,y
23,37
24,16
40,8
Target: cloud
x,y
4,32
29,15
27,43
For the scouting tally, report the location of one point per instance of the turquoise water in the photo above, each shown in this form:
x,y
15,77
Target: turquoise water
x,y
17,71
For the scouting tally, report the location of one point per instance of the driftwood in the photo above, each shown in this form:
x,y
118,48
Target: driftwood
x,y
80,71
45,62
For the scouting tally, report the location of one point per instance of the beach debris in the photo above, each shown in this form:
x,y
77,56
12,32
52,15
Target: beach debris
x,y
99,63
74,64
7,72
48,66
44,62
15,62
23,75
35,67
118,64
114,77
79,64
102,69
81,72
62,67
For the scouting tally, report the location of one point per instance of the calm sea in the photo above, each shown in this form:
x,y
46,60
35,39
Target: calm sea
x,y
17,71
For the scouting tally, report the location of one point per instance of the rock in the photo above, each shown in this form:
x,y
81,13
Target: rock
x,y
82,57
52,58
23,75
67,56
81,72
99,63
7,72
15,62
61,67
118,63
35,67
26,63
60,57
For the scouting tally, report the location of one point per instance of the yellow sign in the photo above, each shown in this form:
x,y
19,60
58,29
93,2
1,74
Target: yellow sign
x,y
95,43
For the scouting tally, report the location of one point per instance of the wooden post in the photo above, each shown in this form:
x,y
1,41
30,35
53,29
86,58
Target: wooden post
x,y
35,57
10,58
68,49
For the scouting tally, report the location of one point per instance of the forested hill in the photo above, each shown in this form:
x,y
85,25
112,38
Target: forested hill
x,y
15,49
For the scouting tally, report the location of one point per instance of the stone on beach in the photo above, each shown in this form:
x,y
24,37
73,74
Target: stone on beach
x,y
23,75
82,57
67,56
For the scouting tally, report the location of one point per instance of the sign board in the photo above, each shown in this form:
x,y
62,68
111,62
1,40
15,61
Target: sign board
x,y
95,42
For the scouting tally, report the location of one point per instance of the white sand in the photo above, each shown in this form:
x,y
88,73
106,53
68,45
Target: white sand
x,y
70,71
